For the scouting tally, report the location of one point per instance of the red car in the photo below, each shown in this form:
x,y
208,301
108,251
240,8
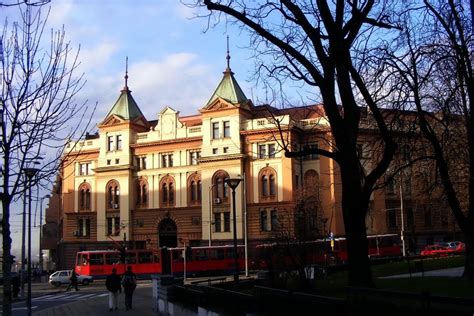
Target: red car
x,y
437,250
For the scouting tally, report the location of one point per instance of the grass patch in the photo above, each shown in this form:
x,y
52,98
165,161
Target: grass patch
x,y
407,266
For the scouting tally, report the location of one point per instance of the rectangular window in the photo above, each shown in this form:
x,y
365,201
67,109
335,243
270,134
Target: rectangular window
x,y
225,150
217,222
274,220
271,150
113,226
110,143
262,151
215,130
109,162
194,157
117,161
215,151
227,221
119,142
84,227
84,169
166,160
263,220
226,129
143,166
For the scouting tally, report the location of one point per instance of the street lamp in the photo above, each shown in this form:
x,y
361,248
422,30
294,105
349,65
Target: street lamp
x,y
402,233
29,173
233,183
47,196
210,212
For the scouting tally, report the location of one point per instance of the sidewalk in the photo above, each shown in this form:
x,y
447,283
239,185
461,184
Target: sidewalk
x,y
142,305
451,272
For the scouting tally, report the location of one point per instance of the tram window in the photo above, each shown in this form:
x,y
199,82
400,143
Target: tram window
x,y
157,258
96,259
145,257
131,257
213,254
201,255
112,258
177,255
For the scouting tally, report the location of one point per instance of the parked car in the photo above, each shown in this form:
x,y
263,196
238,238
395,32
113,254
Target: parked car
x,y
62,277
458,246
437,250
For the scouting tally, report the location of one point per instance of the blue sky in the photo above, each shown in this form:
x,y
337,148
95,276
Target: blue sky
x,y
173,60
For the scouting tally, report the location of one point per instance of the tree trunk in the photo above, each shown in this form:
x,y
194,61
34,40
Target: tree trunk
x,y
6,263
354,224
469,256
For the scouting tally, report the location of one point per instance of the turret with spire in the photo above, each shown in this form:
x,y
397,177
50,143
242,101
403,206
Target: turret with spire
x,y
228,89
125,107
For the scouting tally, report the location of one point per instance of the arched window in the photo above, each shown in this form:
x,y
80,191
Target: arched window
x,y
141,188
194,189
84,197
167,191
113,195
221,190
267,184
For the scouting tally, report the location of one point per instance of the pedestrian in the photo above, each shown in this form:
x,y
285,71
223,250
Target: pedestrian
x,y
129,283
72,281
15,285
114,287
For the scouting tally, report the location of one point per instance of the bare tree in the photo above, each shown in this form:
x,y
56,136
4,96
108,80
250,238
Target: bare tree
x,y
38,112
432,66
322,44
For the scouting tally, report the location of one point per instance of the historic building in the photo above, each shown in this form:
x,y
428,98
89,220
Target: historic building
x,y
155,183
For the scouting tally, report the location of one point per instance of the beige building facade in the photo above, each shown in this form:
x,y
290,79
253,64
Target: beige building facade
x,y
161,183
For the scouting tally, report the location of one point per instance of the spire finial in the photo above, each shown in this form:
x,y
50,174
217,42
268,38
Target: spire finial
x,y
126,74
228,55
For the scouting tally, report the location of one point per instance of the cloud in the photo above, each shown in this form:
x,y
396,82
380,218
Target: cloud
x,y
177,80
93,57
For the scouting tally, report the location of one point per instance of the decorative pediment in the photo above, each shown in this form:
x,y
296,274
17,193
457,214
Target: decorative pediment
x,y
112,120
218,104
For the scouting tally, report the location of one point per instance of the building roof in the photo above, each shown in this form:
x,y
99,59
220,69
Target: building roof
x,y
125,106
228,89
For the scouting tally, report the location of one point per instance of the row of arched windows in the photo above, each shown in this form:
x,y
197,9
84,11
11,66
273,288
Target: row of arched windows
x,y
220,190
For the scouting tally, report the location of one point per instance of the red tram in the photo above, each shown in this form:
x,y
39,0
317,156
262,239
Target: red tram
x,y
199,261
321,251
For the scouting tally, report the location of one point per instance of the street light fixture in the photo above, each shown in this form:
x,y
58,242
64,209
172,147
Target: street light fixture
x,y
47,196
29,173
233,183
211,202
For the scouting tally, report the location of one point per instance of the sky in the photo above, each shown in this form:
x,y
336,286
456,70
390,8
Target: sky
x,y
174,59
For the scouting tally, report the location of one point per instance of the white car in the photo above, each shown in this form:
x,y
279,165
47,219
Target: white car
x,y
62,277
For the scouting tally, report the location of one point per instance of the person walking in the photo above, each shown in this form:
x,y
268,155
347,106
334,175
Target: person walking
x,y
112,283
72,281
129,283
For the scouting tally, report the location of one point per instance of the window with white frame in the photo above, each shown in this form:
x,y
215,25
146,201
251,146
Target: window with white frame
x,y
266,151
118,139
194,157
226,129
215,130
84,226
84,168
110,143
141,162
166,160
269,219
222,222
113,226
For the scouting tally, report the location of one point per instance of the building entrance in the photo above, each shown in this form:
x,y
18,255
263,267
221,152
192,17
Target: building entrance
x,y
167,233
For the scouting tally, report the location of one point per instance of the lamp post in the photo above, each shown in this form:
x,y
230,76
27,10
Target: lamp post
x,y
402,233
210,212
30,173
233,183
47,196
